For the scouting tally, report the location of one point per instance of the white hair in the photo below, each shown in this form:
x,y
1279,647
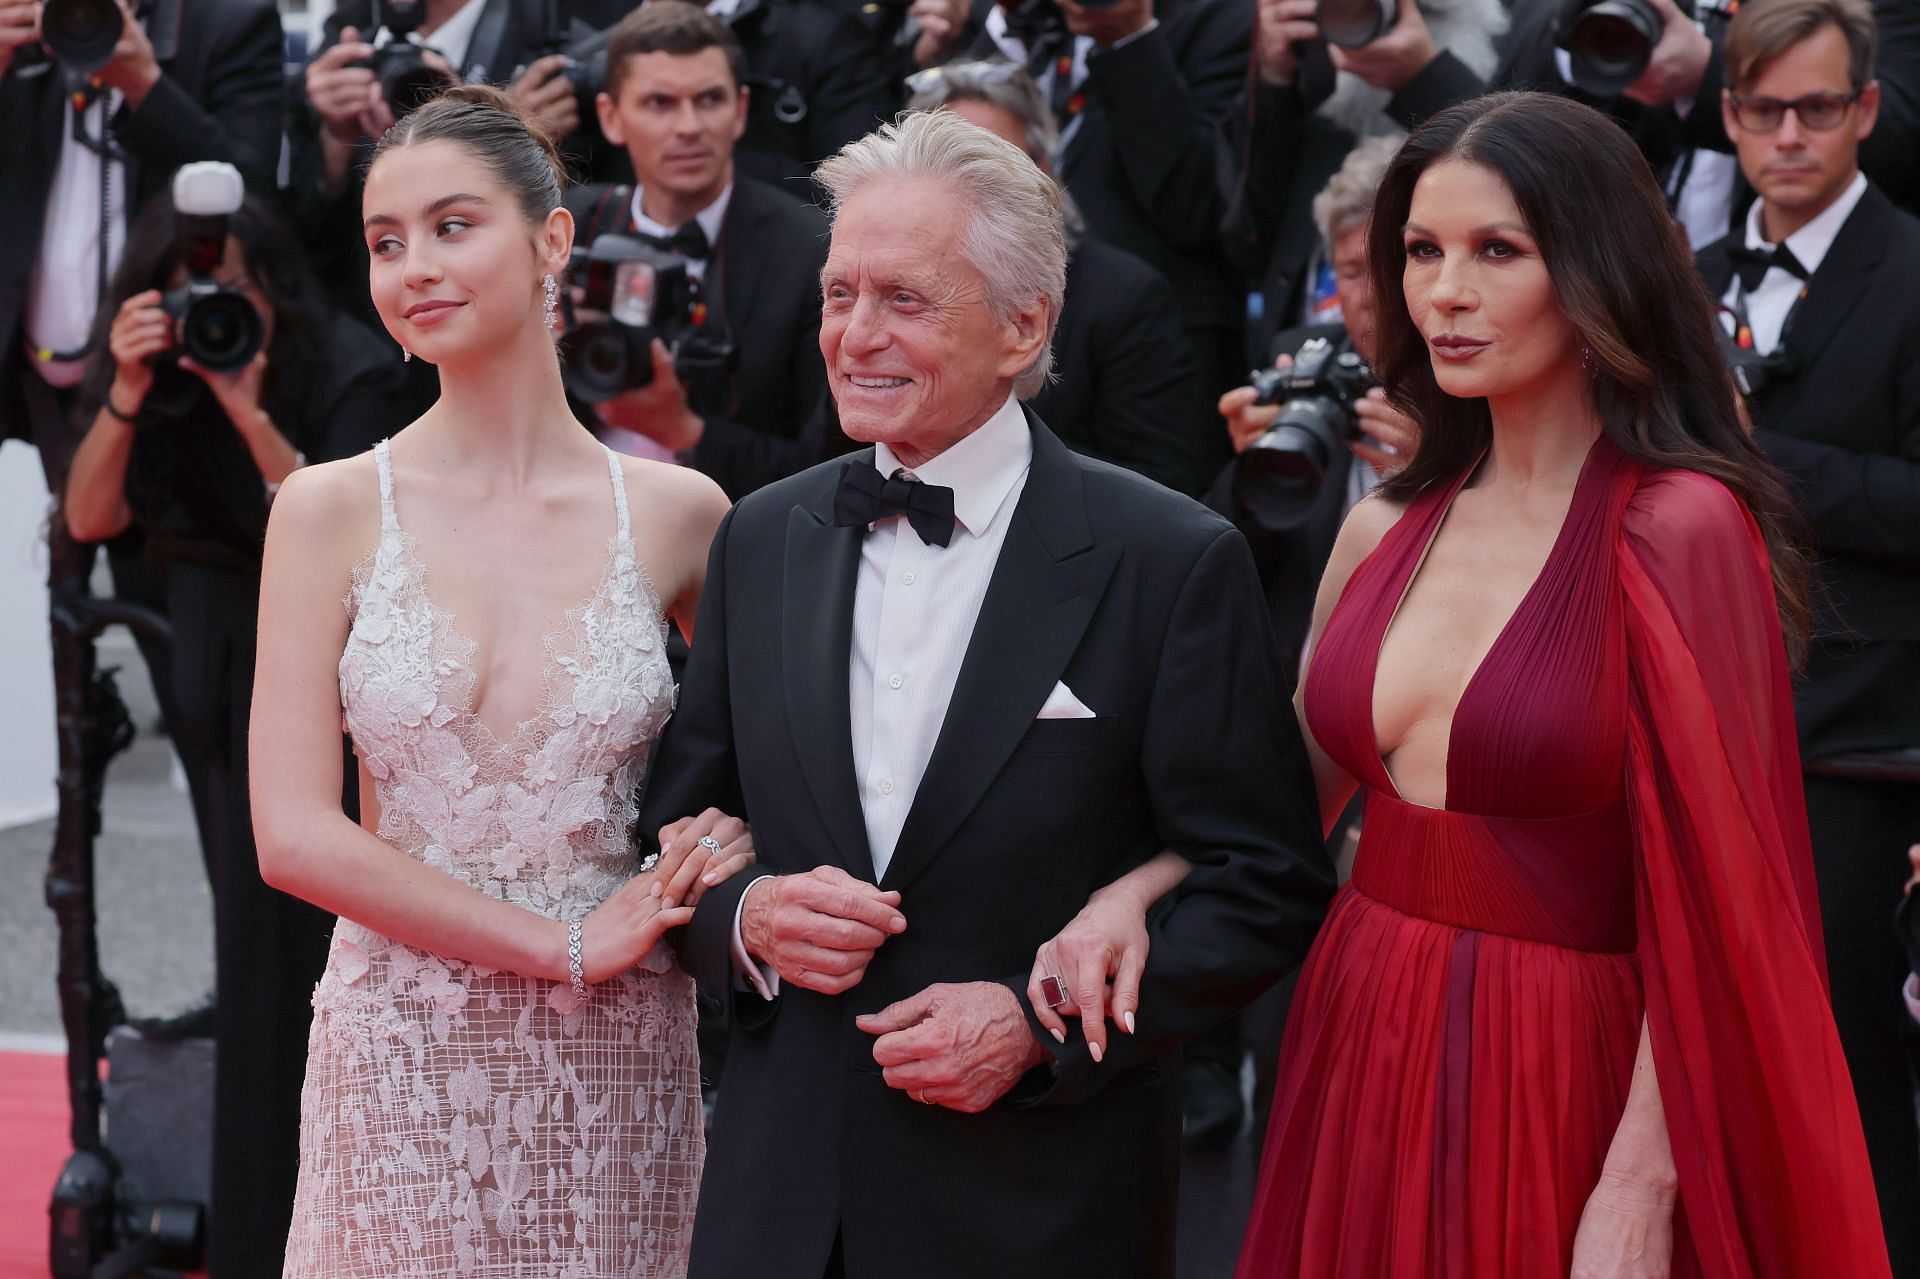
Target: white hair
x,y
1014,236
1348,196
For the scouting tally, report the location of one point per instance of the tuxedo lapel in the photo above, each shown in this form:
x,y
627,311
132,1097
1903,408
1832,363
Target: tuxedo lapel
x,y
1843,276
1715,268
1045,587
823,563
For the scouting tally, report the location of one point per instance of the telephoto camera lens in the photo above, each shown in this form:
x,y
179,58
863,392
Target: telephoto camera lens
x,y
220,331
81,33
1609,42
1352,23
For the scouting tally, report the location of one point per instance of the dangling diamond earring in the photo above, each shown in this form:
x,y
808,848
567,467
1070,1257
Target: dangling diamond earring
x,y
1586,357
552,287
405,355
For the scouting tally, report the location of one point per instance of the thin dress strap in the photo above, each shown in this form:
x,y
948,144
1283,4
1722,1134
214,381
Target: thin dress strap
x,y
389,522
619,494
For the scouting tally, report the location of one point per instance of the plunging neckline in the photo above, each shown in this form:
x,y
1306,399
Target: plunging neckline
x,y
1500,636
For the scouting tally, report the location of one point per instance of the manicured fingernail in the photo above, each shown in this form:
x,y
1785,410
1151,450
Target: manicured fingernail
x,y
1126,1019
669,903
1095,1050
657,888
1059,1036
710,879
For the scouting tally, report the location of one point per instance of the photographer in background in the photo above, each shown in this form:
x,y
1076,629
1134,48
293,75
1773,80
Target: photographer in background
x,y
677,102
221,369
1822,322
1123,379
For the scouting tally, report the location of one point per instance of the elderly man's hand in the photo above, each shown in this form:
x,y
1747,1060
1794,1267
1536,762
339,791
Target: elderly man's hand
x,y
1281,27
1679,60
943,23
820,929
1402,52
1389,436
1110,25
958,1046
658,410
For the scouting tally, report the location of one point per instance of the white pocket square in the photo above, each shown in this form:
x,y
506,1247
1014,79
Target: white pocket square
x,y
1062,704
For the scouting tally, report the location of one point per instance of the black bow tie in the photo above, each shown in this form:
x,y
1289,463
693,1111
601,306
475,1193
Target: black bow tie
x,y
689,241
1751,264
864,498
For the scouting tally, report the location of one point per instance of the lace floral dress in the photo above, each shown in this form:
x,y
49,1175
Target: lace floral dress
x,y
458,1121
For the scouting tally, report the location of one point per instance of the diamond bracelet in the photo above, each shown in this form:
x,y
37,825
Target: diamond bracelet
x,y
574,971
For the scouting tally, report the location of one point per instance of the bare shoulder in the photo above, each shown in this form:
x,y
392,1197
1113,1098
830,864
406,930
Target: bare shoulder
x,y
673,498
1363,528
327,515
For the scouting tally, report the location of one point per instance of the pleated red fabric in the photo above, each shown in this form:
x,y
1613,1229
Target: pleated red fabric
x,y
1624,835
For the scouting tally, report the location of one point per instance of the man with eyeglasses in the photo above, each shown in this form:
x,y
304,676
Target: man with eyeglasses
x,y
1820,296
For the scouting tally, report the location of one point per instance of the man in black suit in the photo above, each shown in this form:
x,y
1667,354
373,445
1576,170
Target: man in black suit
x,y
188,80
677,102
957,682
1819,287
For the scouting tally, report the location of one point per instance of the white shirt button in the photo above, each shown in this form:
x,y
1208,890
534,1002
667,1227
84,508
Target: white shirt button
x,y
895,681
908,579
886,786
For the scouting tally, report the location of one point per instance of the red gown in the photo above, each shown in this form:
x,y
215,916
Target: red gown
x,y
1624,835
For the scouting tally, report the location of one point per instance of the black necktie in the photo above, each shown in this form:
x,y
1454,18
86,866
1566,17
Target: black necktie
x,y
865,498
689,241
1751,264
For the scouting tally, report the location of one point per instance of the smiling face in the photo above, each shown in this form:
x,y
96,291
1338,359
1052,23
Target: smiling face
x,y
456,269
678,116
1478,289
914,355
1800,171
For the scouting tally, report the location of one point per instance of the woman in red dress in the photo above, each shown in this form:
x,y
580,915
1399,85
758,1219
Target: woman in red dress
x,y
1570,1015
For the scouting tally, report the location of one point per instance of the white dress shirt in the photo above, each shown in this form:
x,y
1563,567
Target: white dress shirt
x,y
914,609
1768,305
63,288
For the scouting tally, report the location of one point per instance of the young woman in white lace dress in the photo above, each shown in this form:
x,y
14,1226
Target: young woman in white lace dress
x,y
502,1075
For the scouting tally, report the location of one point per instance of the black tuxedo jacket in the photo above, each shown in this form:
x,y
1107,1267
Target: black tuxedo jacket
x,y
765,280
221,96
1146,605
817,84
1846,429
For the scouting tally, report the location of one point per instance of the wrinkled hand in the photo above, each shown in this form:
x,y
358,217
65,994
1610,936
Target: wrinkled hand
x,y
1401,53
1283,25
141,330
19,27
1626,1232
942,24
1110,25
1679,60
820,929
958,1046
1395,435
735,840
624,927
544,92
342,94
659,409
1246,421
1099,958
134,69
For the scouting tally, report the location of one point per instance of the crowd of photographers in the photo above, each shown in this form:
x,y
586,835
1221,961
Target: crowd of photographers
x,y
178,335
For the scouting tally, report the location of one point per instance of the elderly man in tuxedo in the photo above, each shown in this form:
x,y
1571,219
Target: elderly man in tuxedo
x,y
959,682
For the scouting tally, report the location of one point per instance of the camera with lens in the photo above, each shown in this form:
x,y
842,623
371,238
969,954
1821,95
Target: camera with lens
x,y
1753,373
645,294
215,326
407,79
1316,393
81,34
1353,23
1609,43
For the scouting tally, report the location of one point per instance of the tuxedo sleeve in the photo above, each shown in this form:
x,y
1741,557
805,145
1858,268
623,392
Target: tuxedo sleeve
x,y
239,113
694,770
1440,84
1144,388
1228,780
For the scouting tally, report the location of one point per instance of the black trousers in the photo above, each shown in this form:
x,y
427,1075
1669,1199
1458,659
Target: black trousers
x,y
1861,831
269,948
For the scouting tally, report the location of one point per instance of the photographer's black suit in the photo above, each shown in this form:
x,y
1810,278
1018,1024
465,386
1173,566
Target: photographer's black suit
x,y
1846,429
1146,605
220,96
763,282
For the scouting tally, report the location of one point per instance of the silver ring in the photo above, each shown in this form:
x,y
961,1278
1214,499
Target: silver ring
x,y
1054,990
711,844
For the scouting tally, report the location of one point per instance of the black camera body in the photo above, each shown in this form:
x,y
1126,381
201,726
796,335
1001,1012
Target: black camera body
x,y
1316,392
645,293
1609,43
215,326
407,79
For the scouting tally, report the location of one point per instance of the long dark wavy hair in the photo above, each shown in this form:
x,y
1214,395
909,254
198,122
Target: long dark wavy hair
x,y
157,246
1623,276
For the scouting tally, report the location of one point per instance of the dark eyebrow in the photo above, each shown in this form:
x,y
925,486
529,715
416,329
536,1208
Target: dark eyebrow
x,y
388,219
1414,228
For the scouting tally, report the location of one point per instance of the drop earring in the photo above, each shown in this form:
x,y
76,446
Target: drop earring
x,y
405,355
1586,357
552,287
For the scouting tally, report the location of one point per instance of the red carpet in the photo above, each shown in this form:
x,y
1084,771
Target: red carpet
x,y
33,1145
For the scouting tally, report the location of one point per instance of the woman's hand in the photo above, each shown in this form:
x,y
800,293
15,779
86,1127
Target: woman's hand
x,y
1626,1231
238,390
1098,958
141,330
624,927
735,840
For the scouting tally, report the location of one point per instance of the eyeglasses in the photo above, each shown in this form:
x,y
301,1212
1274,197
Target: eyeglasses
x,y
1817,111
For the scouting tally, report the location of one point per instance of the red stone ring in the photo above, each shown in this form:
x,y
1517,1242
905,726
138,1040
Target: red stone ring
x,y
1053,990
